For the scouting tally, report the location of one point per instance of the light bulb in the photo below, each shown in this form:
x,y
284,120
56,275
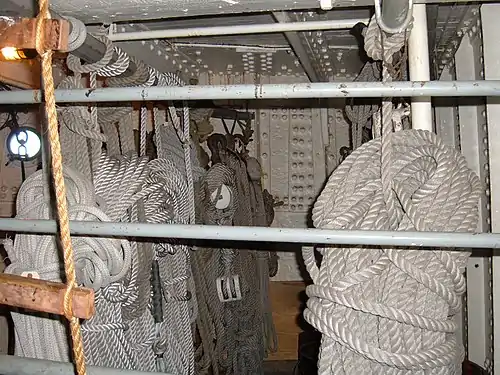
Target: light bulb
x,y
14,54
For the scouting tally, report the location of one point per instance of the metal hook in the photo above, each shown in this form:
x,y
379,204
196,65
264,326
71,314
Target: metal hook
x,y
399,28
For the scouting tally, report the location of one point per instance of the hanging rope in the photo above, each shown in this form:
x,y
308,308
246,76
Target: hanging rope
x,y
384,310
59,187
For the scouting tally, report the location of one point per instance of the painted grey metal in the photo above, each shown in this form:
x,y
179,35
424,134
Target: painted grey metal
x,y
266,91
235,30
258,234
394,12
13,365
299,49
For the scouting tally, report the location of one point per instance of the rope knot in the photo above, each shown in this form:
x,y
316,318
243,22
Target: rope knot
x,y
68,300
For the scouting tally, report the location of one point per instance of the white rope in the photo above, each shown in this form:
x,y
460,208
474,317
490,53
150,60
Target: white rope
x,y
99,262
384,310
123,333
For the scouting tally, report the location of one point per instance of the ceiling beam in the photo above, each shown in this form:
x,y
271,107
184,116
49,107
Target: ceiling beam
x,y
148,9
299,49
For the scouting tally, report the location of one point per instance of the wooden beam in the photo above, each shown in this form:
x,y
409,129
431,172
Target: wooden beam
x,y
24,73
44,296
20,33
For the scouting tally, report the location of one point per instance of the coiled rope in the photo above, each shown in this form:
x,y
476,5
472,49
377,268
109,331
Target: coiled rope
x,y
384,310
123,333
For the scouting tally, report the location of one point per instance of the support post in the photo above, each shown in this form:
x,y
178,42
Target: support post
x,y
490,14
418,54
471,113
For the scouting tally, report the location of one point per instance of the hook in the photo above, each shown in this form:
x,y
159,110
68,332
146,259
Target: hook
x,y
399,28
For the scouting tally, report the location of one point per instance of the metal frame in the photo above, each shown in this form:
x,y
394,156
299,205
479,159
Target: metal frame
x,y
267,91
299,49
491,52
471,113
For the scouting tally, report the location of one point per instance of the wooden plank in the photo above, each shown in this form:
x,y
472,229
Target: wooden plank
x,y
20,33
44,296
285,299
23,74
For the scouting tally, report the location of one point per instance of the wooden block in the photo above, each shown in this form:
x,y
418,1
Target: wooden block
x,y
44,296
286,305
20,33
24,73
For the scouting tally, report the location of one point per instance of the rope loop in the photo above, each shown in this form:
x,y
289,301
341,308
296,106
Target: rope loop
x,y
76,66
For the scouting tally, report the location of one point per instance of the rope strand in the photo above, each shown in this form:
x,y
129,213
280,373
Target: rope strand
x,y
59,186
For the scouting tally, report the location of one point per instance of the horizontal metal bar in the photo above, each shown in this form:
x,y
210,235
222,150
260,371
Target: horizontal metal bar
x,y
14,365
267,91
258,234
235,30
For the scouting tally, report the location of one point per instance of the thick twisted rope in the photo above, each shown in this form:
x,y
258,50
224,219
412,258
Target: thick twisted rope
x,y
384,310
359,288
59,186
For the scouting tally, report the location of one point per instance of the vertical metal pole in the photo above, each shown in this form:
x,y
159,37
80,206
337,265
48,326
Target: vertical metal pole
x,y
445,114
418,55
446,123
472,119
490,14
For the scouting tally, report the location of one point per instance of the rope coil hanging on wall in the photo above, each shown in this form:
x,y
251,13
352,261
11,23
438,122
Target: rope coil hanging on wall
x,y
384,310
129,330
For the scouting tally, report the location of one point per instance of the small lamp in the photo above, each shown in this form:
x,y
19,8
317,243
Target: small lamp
x,y
24,144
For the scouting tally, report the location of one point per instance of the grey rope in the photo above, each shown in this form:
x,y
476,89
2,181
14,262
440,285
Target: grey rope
x,y
384,310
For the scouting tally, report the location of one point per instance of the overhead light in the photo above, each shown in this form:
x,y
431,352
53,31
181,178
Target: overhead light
x,y
14,54
24,144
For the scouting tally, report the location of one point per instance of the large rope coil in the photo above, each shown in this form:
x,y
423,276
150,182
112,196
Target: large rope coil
x,y
384,310
99,262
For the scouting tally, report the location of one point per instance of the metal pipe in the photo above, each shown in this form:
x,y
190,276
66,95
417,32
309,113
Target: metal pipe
x,y
394,12
92,49
235,30
266,91
13,365
395,16
418,63
258,234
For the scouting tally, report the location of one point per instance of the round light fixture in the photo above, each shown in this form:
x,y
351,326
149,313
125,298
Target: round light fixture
x,y
24,144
